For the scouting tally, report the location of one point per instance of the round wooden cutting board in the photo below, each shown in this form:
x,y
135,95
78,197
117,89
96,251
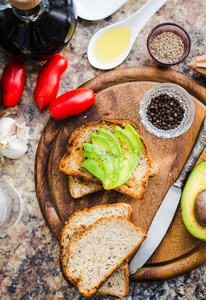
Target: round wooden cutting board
x,y
119,94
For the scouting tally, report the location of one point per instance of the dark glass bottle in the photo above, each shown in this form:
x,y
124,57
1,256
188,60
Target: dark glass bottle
x,y
38,29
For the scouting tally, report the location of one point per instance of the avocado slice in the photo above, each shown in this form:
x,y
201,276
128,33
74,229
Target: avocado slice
x,y
95,168
116,155
117,149
136,139
115,144
195,185
104,143
103,158
128,153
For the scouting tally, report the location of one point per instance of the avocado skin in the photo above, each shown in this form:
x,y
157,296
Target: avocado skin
x,y
195,184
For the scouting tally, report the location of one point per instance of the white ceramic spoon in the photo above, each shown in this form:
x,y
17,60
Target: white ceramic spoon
x,y
135,23
94,10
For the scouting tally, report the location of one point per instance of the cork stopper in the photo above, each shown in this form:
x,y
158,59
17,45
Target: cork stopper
x,y
24,4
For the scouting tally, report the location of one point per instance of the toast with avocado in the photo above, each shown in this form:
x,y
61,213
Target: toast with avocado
x,y
79,187
73,162
118,283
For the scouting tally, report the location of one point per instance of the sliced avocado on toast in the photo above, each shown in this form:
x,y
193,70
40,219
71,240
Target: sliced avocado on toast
x,y
117,155
104,143
104,160
95,168
136,139
128,154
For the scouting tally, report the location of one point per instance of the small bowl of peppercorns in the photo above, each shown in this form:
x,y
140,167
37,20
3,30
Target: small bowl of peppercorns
x,y
167,110
168,44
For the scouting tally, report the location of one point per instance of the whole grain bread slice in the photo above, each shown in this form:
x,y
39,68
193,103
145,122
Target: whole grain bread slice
x,y
118,284
79,187
71,163
97,251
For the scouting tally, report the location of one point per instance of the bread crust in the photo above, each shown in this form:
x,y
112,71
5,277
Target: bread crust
x,y
126,284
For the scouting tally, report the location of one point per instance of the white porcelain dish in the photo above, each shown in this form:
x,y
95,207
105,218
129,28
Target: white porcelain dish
x,y
94,10
135,23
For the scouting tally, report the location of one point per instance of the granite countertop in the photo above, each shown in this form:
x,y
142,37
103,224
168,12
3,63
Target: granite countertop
x,y
29,254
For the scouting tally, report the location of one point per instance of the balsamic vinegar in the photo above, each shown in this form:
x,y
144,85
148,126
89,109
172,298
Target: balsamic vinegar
x,y
38,32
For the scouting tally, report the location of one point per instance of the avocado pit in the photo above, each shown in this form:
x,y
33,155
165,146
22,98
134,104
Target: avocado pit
x,y
200,208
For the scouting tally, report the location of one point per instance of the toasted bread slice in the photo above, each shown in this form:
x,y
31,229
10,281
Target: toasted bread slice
x,y
118,284
72,161
79,187
97,251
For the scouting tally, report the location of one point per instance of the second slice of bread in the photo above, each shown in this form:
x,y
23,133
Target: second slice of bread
x,y
118,284
96,252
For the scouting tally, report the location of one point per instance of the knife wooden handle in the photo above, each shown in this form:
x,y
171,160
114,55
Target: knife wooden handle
x,y
195,153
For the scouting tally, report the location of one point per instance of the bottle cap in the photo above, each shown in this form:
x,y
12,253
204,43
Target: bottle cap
x,y
24,4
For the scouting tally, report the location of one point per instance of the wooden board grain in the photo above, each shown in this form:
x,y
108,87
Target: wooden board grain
x,y
119,94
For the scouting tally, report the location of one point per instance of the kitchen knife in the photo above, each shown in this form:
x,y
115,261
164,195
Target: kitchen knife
x,y
167,209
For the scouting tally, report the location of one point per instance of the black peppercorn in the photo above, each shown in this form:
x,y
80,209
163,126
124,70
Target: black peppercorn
x,y
165,112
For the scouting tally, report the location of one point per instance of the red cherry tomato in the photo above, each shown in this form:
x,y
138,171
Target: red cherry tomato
x,y
72,103
12,83
48,81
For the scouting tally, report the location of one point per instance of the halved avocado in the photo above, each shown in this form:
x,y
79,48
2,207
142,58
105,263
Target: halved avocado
x,y
194,186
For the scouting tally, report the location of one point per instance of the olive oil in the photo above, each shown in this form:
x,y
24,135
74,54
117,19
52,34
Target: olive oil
x,y
112,44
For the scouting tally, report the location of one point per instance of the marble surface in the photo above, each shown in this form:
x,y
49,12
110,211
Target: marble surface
x,y
29,254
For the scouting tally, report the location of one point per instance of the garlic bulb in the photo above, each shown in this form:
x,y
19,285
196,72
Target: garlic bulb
x,y
13,138
7,127
15,150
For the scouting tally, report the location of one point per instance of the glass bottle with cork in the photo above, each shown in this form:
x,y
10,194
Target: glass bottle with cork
x,y
36,28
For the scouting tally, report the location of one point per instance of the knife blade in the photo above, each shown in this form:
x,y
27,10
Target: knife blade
x,y
167,209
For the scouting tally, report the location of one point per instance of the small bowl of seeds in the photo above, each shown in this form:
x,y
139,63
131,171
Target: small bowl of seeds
x,y
167,110
168,44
